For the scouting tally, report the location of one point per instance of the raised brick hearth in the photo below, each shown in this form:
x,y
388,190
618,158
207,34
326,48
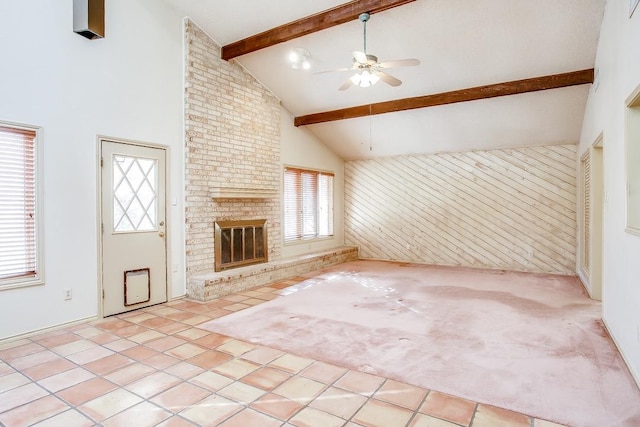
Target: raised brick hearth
x,y
207,286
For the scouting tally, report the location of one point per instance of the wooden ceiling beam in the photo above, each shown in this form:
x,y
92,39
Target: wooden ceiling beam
x,y
554,81
310,24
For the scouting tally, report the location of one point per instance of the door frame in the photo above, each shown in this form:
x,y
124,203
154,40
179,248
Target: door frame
x,y
99,140
597,219
593,279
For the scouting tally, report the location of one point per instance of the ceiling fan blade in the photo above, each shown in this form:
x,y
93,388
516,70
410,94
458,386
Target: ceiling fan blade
x,y
360,57
399,63
388,79
346,84
337,70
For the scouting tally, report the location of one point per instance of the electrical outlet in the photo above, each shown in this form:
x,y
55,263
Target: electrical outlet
x,y
67,294
530,253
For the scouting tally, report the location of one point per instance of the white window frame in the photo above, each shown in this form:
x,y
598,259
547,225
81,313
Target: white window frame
x,y
38,278
317,236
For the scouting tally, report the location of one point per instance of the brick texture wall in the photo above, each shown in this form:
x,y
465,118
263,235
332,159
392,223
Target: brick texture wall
x,y
232,140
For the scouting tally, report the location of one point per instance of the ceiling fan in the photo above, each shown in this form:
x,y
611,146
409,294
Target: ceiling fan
x,y
368,70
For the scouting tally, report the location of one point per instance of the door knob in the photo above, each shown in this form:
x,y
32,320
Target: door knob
x,y
161,234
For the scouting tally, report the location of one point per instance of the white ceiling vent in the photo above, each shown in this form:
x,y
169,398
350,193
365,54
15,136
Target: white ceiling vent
x,y
88,18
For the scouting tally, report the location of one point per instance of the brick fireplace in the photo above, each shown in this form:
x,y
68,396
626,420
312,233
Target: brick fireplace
x,y
233,173
232,148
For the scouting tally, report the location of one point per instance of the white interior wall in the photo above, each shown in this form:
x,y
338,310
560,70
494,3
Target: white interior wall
x,y
127,85
618,65
299,147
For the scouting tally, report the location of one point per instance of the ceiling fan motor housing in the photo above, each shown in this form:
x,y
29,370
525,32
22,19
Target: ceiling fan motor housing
x,y
371,60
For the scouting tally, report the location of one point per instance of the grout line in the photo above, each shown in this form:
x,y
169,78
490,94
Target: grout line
x,y
420,405
475,412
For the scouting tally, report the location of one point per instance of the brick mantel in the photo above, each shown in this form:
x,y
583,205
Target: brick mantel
x,y
244,193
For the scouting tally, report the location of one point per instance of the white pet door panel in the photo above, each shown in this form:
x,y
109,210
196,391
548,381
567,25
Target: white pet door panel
x,y
137,286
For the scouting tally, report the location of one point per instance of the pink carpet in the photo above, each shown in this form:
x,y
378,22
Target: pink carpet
x,y
529,343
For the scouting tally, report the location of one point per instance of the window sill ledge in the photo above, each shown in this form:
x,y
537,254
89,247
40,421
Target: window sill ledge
x,y
19,285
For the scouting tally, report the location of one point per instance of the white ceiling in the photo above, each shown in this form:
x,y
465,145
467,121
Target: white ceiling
x,y
461,44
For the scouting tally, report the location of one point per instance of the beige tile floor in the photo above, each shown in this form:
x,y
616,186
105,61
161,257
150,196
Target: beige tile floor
x,y
153,367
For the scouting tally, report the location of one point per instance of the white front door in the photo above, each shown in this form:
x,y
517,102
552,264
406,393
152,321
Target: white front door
x,y
134,253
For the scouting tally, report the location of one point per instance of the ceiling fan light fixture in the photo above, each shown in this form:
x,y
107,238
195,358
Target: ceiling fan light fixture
x,y
300,59
366,68
364,78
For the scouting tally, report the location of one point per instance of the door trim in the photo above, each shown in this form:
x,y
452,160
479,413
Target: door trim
x,y
593,280
99,140
597,236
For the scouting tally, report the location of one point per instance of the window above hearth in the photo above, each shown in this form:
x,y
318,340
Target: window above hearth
x,y
308,204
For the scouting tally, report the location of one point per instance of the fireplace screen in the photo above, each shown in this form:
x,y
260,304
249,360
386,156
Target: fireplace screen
x,y
239,243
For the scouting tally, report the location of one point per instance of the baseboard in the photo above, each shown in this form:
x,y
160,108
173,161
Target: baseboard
x,y
615,341
494,270
62,325
584,281
47,329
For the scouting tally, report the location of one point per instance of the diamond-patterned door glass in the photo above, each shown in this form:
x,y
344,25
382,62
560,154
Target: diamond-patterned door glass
x,y
135,194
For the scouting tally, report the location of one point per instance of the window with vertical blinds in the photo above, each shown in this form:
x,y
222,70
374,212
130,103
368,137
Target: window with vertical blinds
x,y
19,262
308,204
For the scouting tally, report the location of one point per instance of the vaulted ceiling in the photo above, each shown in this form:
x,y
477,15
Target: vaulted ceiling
x,y
461,44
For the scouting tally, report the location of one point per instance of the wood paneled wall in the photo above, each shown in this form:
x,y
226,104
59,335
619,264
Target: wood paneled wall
x,y
504,209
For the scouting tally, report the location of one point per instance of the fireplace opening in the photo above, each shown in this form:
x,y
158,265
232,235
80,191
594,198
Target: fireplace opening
x,y
239,243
